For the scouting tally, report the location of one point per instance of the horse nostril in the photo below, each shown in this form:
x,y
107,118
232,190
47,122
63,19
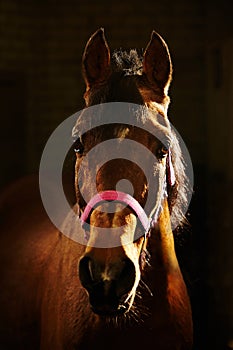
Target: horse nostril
x,y
86,272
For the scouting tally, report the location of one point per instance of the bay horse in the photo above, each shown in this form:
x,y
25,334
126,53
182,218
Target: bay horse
x,y
59,294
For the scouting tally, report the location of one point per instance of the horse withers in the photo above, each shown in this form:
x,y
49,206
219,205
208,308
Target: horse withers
x,y
124,287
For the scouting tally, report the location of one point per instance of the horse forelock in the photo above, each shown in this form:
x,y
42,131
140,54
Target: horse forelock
x,y
130,62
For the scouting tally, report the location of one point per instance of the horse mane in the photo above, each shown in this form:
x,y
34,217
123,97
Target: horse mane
x,y
179,193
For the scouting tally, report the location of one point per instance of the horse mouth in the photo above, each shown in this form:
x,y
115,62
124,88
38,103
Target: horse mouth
x,y
107,310
112,309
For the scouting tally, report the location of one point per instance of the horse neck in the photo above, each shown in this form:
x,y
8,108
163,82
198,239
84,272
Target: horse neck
x,y
171,304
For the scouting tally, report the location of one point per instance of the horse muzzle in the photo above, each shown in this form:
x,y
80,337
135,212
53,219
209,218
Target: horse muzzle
x,y
109,295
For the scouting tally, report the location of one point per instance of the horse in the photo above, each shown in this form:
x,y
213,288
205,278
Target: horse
x,y
59,294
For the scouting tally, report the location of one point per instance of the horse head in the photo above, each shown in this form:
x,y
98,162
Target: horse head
x,y
118,223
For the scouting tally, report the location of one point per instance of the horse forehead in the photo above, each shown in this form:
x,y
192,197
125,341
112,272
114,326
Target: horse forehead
x,y
155,122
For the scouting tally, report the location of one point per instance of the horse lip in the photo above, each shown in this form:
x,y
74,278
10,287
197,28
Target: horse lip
x,y
107,310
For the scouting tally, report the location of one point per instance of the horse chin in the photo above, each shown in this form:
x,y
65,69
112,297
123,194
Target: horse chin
x,y
109,311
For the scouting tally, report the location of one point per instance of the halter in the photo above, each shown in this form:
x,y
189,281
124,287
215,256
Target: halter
x,y
117,196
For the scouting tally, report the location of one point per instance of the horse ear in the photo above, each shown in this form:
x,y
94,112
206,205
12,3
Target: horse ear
x,y
157,64
96,59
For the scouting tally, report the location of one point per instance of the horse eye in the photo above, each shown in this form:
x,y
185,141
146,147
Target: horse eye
x,y
162,152
78,147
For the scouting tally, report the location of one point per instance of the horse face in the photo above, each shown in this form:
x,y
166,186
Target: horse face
x,y
110,267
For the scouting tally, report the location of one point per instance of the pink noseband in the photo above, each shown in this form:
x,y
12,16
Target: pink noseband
x,y
118,197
